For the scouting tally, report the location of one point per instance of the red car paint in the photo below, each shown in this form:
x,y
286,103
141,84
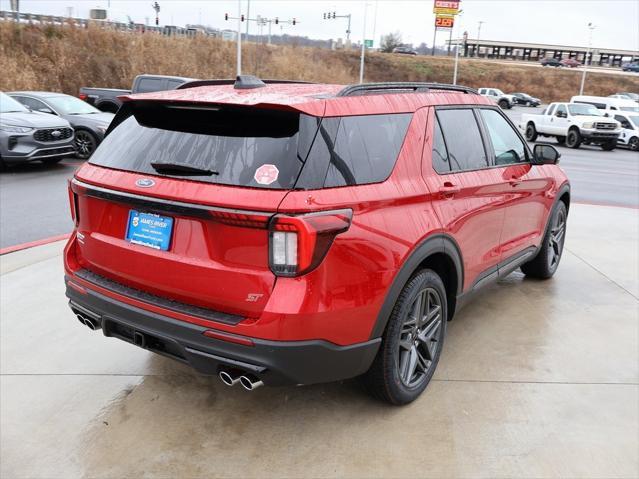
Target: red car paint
x,y
491,214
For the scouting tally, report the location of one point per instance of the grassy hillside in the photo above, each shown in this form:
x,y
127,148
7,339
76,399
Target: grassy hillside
x,y
64,59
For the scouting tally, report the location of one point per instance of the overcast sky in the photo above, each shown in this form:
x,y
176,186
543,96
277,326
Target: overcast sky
x,y
543,21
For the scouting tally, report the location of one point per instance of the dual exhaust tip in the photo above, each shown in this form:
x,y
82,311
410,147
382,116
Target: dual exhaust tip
x,y
230,378
248,382
89,322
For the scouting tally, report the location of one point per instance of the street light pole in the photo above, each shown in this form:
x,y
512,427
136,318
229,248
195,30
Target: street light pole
x,y
457,49
239,37
361,59
478,35
591,27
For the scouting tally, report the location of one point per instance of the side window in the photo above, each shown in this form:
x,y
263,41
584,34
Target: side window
x,y
482,91
440,153
32,103
562,109
508,146
624,122
551,109
365,148
150,84
461,133
173,84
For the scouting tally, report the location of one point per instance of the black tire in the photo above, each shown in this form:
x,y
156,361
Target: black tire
x,y
633,144
531,132
609,145
503,104
561,140
410,348
546,262
3,165
85,143
573,140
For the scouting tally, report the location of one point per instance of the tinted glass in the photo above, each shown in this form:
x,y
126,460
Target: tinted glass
x,y
364,149
562,109
465,146
233,144
150,84
507,145
440,154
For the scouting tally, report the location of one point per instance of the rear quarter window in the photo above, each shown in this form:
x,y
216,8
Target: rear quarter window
x,y
463,139
362,149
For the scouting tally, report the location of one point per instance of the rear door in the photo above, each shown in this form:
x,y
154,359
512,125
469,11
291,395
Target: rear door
x,y
175,202
467,193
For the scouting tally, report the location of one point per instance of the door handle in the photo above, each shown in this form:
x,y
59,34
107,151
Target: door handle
x,y
448,189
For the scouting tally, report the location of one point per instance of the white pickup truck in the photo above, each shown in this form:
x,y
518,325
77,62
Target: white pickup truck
x,y
572,124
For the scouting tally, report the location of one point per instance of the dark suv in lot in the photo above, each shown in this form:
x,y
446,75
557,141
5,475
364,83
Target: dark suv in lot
x,y
286,233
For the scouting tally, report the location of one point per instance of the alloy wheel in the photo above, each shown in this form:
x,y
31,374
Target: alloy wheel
x,y
556,239
84,143
634,144
420,337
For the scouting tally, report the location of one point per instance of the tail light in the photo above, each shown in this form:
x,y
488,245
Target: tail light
x,y
83,96
298,244
73,206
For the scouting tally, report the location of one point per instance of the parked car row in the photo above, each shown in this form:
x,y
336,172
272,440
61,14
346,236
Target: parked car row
x,y
507,101
589,120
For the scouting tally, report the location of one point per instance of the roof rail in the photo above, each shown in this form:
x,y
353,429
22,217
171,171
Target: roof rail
x,y
217,82
400,87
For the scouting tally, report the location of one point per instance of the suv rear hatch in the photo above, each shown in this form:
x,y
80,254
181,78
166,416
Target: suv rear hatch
x,y
175,203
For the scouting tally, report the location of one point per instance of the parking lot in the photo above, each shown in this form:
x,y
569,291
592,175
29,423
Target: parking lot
x,y
537,378
599,177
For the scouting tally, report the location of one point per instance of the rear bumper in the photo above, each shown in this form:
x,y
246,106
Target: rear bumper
x,y
274,362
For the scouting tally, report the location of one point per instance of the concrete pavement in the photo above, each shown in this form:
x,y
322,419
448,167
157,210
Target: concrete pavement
x,y
537,379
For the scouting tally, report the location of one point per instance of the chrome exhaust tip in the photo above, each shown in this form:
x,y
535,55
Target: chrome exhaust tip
x,y
81,318
228,378
250,383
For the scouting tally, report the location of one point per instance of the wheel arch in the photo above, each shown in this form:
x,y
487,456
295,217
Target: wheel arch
x,y
440,253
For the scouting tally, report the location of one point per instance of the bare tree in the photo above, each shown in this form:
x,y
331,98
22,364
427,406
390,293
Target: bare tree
x,y
390,41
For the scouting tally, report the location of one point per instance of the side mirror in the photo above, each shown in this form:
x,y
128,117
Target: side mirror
x,y
46,110
545,155
560,114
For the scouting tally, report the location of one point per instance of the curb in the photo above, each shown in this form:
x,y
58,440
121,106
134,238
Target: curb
x,y
32,244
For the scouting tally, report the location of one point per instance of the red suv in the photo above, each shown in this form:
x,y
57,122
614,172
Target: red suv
x,y
285,233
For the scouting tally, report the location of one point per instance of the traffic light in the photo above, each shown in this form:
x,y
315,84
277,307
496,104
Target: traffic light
x,y
333,14
226,16
242,17
294,21
277,20
157,21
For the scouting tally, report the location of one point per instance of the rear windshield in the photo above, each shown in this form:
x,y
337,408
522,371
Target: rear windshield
x,y
251,147
260,148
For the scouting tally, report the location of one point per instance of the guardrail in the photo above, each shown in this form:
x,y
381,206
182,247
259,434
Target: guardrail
x,y
37,19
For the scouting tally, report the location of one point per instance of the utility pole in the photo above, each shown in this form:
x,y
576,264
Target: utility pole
x,y
248,15
361,59
591,27
478,35
333,16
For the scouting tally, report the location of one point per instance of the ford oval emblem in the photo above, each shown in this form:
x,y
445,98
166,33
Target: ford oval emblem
x,y
145,183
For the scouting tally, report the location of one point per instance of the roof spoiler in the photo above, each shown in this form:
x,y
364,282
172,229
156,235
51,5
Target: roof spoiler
x,y
242,82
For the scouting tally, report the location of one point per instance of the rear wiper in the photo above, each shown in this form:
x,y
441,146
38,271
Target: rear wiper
x,y
180,169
